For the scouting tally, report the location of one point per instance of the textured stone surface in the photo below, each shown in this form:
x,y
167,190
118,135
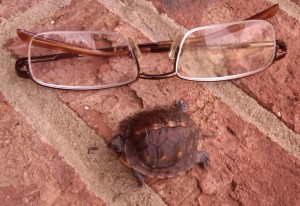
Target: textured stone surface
x,y
10,9
296,2
277,88
78,144
32,172
238,152
246,167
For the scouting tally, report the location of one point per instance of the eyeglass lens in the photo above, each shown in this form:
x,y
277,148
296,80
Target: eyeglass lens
x,y
83,70
227,50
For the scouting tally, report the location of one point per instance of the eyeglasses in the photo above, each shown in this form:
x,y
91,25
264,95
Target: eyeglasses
x,y
85,60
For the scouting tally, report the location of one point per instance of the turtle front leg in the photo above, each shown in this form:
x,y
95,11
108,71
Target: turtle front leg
x,y
139,177
117,144
203,159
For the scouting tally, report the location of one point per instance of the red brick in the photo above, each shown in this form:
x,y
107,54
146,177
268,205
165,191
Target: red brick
x,y
32,172
238,151
277,88
296,2
11,8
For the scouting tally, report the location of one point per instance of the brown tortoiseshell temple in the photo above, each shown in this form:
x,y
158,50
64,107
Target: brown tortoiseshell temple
x,y
72,51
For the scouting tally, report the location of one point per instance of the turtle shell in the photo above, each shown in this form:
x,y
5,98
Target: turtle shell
x,y
161,142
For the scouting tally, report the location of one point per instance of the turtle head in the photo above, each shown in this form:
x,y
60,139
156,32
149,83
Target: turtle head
x,y
181,105
117,144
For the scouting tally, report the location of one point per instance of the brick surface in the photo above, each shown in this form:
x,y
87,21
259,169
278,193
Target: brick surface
x,y
239,152
246,167
32,172
277,88
296,2
9,9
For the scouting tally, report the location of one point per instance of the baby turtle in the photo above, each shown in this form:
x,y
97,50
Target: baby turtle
x,y
159,143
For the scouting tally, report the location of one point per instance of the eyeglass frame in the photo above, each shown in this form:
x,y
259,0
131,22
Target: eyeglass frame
x,y
172,46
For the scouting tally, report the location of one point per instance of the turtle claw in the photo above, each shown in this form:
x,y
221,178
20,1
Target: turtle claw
x,y
203,159
139,177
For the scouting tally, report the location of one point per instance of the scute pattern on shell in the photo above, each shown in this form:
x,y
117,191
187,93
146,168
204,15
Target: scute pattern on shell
x,y
161,142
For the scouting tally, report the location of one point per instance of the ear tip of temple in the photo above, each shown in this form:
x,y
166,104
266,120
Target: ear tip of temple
x,y
19,32
276,7
23,35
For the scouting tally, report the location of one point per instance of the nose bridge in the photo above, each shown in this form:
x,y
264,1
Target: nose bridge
x,y
157,76
166,47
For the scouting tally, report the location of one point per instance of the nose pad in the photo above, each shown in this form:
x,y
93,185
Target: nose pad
x,y
281,50
135,48
176,41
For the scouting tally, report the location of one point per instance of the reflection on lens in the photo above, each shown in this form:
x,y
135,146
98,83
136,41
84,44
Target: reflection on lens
x,y
80,69
226,51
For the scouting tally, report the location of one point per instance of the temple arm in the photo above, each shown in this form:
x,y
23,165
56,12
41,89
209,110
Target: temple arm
x,y
148,47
